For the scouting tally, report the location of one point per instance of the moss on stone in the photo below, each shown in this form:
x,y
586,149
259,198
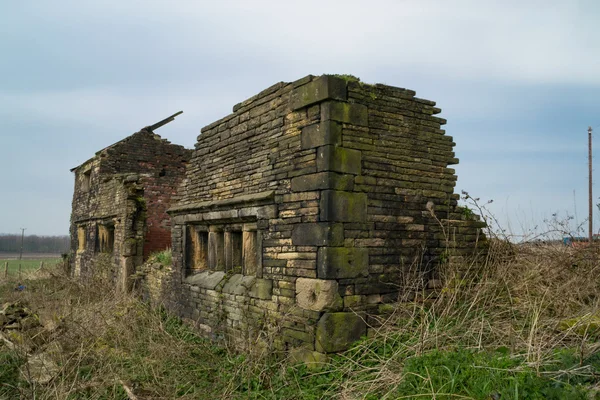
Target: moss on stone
x,y
313,360
337,331
322,88
386,308
342,262
350,113
348,77
339,206
262,289
140,202
585,325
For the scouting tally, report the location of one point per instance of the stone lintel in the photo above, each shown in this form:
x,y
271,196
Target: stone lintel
x,y
323,180
324,133
323,88
318,234
337,331
349,113
339,206
240,201
339,159
218,215
245,214
342,262
259,212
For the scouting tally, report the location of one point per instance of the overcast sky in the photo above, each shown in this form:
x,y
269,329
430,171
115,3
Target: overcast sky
x,y
518,82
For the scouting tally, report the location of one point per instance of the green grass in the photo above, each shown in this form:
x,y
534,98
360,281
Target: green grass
x,y
164,257
10,362
26,265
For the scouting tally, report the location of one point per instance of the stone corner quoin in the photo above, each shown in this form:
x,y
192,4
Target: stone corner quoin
x,y
307,208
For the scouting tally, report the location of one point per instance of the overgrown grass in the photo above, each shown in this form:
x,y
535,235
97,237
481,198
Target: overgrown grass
x,y
521,327
164,257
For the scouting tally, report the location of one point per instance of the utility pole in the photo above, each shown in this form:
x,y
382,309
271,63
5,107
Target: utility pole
x,y
591,227
22,237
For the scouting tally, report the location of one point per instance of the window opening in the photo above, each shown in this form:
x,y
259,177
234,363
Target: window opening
x,y
80,238
233,248
106,238
216,251
196,250
233,251
86,180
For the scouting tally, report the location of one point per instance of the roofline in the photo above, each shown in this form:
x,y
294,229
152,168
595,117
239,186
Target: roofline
x,y
149,129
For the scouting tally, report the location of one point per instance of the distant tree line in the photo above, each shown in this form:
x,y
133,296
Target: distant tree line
x,y
11,243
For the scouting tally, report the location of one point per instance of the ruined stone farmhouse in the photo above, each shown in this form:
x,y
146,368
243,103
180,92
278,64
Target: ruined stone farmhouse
x,y
119,205
301,214
310,204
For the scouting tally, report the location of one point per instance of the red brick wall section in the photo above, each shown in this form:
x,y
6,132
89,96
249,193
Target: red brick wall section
x,y
157,193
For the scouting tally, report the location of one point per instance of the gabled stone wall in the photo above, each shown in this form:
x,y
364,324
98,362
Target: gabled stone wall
x,y
121,196
307,208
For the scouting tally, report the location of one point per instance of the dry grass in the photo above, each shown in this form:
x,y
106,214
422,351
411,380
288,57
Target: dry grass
x,y
518,303
509,324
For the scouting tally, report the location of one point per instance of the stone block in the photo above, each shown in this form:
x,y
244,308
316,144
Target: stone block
x,y
250,252
318,294
322,88
321,134
342,262
127,269
313,360
339,159
337,331
262,289
129,247
299,336
238,284
349,113
340,206
318,234
260,212
217,215
323,180
206,280
354,301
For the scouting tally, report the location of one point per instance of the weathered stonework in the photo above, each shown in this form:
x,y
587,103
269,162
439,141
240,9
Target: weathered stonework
x,y
119,206
302,211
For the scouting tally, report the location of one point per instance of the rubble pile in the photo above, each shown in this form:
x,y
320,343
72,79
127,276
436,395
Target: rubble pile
x,y
17,316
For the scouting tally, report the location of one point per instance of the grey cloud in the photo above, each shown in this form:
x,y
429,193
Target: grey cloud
x,y
79,76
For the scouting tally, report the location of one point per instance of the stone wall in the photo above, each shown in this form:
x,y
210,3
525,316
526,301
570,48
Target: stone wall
x,y
119,205
308,207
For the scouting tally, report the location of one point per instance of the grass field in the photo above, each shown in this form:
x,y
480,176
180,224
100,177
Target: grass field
x,y
27,264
